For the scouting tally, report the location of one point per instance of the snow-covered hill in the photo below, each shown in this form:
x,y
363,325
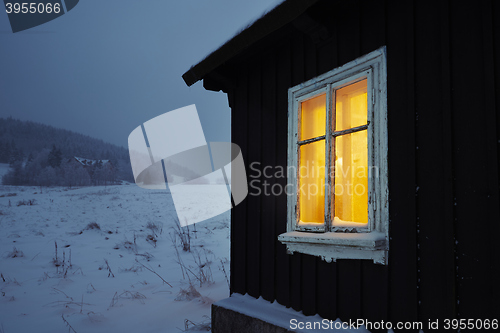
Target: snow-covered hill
x,y
117,247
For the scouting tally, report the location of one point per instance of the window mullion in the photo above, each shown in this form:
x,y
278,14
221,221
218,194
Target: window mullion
x,y
330,121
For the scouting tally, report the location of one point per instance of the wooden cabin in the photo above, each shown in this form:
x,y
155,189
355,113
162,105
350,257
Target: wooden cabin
x,y
410,89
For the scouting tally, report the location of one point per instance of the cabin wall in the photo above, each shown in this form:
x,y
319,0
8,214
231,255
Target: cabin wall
x,y
443,97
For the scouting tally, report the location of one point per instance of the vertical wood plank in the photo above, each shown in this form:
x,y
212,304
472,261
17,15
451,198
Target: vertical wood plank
x,y
298,58
326,289
310,60
296,269
308,285
295,285
372,25
374,278
254,216
434,219
374,291
495,39
283,82
239,213
492,307
403,298
326,55
349,289
448,175
268,235
475,158
348,25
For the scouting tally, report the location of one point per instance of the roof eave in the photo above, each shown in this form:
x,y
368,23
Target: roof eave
x,y
284,13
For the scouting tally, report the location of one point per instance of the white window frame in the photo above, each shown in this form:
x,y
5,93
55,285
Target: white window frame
x,y
328,241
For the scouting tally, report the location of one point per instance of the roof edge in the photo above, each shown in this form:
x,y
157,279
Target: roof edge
x,y
269,22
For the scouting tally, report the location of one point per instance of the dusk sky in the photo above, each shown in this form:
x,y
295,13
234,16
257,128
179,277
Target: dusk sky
x,y
107,66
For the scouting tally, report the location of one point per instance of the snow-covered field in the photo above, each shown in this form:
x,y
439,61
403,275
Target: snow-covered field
x,y
111,278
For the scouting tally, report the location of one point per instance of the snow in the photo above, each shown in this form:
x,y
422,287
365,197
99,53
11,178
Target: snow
x,y
284,317
336,223
272,4
348,224
37,296
4,168
279,315
337,237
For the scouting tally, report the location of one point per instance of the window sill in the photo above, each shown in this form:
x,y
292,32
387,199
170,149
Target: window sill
x,y
331,246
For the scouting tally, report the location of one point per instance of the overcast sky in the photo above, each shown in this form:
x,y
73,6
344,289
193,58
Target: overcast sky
x,y
107,66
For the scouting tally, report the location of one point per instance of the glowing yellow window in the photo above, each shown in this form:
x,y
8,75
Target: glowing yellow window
x,y
312,160
337,166
350,147
333,159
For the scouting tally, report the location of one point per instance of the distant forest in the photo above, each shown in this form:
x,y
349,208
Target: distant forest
x,y
43,155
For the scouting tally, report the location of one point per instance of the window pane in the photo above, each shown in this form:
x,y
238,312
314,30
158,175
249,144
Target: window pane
x,y
351,178
351,106
313,117
311,182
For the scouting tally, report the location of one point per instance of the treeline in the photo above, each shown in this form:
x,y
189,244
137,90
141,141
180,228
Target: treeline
x,y
29,137
9,152
27,146
50,168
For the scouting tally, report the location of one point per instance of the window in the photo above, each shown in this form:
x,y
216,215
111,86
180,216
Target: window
x,y
337,163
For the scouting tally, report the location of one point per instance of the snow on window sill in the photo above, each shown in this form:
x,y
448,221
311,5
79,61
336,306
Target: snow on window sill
x,y
331,246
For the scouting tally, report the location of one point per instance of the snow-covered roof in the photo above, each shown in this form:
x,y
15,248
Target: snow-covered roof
x,y
89,162
271,21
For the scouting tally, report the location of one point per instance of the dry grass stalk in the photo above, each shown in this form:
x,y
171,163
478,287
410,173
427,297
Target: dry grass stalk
x,y
152,271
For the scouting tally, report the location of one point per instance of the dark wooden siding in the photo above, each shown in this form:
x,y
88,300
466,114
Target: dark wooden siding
x,y
443,97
